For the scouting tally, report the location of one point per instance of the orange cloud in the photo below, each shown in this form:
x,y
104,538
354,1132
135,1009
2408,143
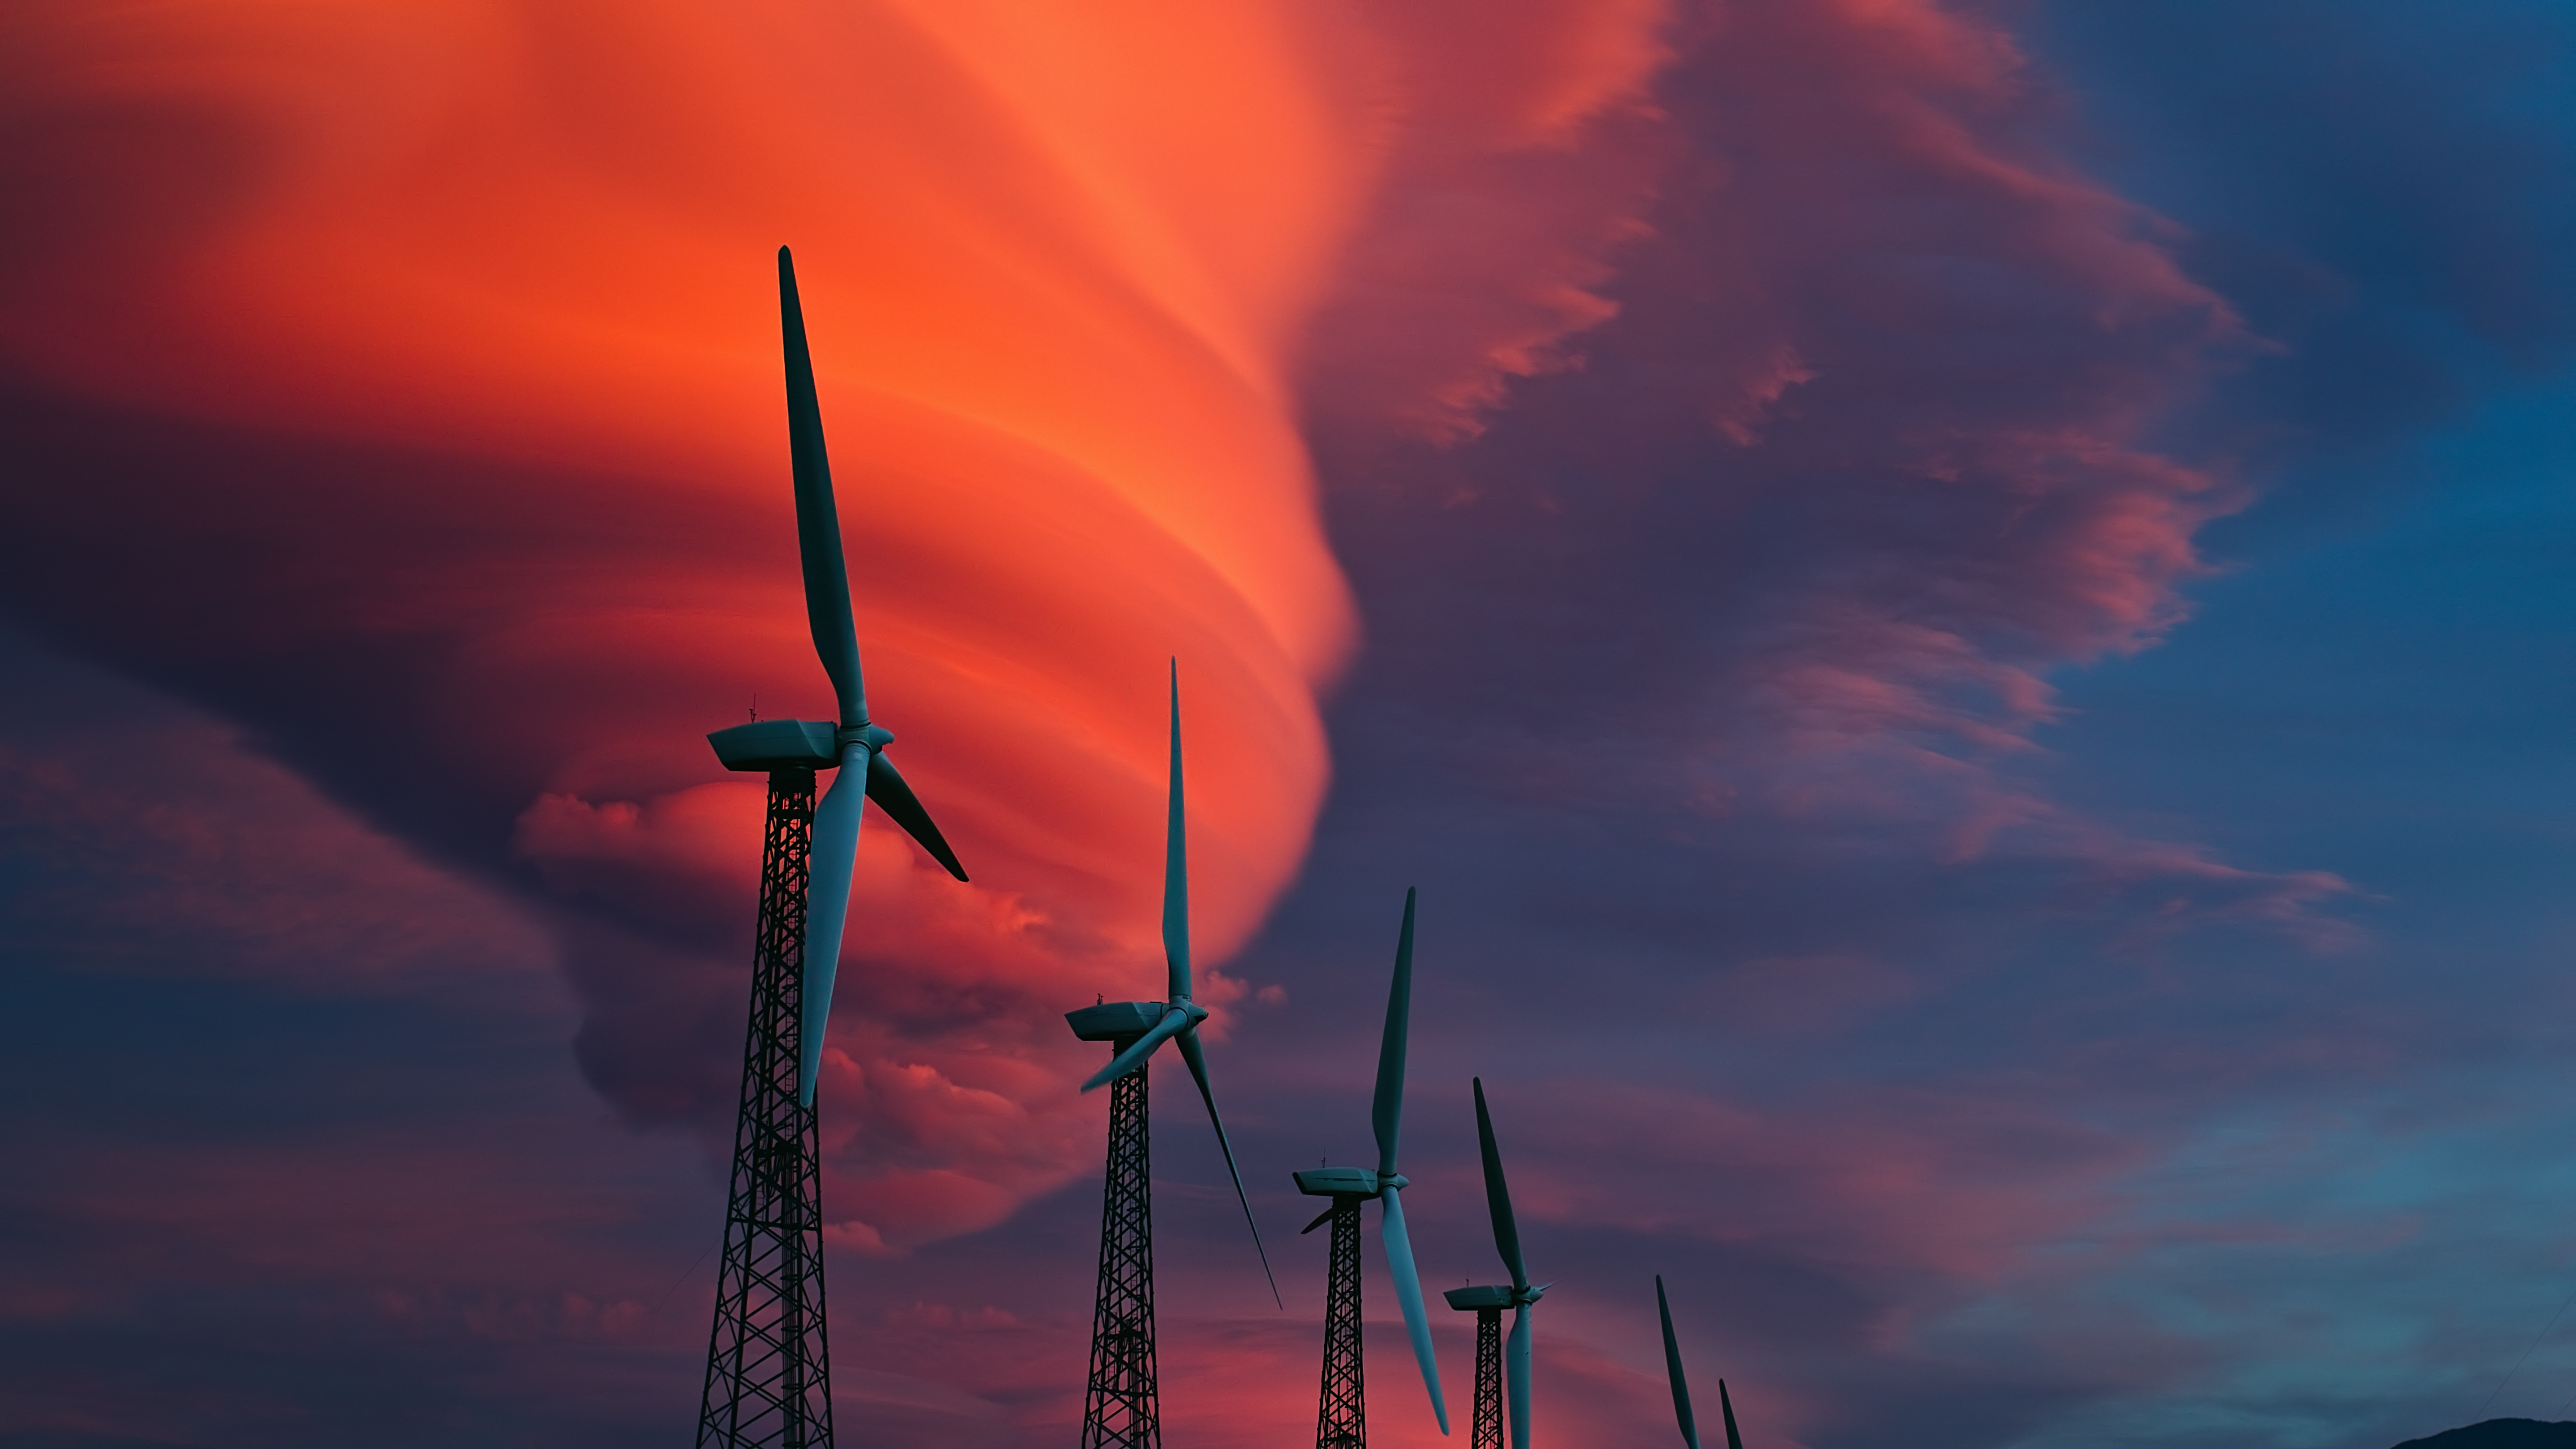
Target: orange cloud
x,y
1061,265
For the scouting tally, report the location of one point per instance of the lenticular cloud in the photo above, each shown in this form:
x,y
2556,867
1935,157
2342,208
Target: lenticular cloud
x,y
432,351
416,364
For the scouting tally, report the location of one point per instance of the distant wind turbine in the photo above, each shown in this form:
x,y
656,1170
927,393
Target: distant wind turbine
x,y
1341,1420
1122,1404
1488,1303
1681,1385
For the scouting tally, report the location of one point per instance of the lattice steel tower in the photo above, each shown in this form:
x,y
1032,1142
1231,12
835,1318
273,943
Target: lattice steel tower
x,y
1487,1303
1121,1408
769,1374
1341,1409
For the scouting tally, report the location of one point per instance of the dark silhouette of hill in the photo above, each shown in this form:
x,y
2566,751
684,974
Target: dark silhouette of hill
x,y
2501,1434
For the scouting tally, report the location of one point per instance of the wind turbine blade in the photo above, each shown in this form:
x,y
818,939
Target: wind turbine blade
x,y
1498,1194
1726,1406
818,523
1197,1061
1408,1291
827,905
1673,1371
1176,869
1516,1375
1386,1114
895,798
1173,1021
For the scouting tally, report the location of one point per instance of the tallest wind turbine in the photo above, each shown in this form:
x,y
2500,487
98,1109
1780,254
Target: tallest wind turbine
x,y
768,1365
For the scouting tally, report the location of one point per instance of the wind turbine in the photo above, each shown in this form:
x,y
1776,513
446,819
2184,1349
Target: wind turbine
x,y
1496,1367
1341,1418
1121,1406
768,1369
1681,1386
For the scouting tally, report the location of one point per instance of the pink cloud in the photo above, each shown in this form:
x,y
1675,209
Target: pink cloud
x,y
167,847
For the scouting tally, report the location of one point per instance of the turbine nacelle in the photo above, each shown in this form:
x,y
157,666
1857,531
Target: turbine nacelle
x,y
778,744
1349,1181
1494,1297
781,744
1121,1020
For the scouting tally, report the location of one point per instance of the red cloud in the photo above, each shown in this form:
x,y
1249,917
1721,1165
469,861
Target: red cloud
x,y
477,295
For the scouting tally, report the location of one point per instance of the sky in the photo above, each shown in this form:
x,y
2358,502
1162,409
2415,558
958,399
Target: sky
x,y
1953,607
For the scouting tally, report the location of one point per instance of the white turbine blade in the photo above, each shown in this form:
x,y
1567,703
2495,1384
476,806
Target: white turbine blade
x,y
1408,1291
895,798
1516,1375
1196,1060
1498,1193
1673,1370
827,904
1176,869
1174,1021
1386,1113
818,523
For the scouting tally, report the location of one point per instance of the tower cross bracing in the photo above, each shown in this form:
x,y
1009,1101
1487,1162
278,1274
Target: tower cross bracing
x,y
1488,1432
1341,1414
1121,1408
769,1376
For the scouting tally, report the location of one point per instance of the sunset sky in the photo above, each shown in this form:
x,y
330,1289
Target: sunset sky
x,y
1961,611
